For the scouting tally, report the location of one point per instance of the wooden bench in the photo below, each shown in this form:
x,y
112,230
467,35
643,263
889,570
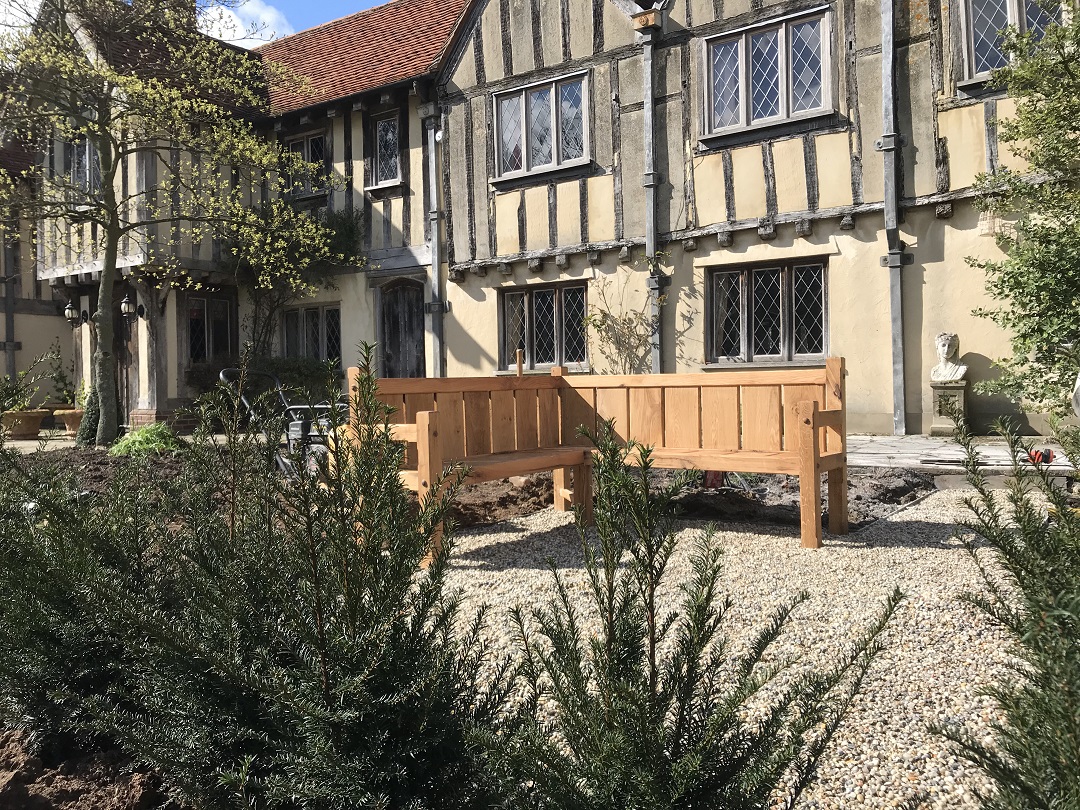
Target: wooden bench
x,y
774,420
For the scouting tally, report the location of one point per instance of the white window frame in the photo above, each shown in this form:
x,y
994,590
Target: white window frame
x,y
787,330
742,35
89,180
394,116
304,349
310,188
508,354
556,145
1017,14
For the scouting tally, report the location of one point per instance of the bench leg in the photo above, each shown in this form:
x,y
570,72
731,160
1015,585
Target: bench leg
x,y
563,493
582,495
810,508
838,506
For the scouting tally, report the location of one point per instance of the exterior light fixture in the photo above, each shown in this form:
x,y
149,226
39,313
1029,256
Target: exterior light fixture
x,y
72,314
127,308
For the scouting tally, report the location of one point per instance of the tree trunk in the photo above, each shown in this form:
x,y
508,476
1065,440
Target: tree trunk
x,y
104,359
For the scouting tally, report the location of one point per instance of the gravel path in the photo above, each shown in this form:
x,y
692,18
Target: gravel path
x,y
939,654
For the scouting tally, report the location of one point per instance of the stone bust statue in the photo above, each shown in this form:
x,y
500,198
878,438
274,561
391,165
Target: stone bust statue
x,y
947,369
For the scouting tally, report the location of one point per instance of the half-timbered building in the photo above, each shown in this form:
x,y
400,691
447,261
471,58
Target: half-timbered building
x,y
781,181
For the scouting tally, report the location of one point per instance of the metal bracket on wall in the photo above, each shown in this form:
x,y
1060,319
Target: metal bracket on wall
x,y
15,345
896,258
889,143
434,307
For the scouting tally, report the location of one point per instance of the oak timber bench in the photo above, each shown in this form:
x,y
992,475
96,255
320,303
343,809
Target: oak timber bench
x,y
764,420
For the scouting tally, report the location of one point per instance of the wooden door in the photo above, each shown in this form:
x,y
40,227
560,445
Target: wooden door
x,y
402,329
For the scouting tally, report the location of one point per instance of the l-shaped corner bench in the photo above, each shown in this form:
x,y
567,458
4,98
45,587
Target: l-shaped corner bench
x,y
762,420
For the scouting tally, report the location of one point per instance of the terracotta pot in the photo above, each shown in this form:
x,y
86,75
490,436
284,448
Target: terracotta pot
x,y
22,424
71,417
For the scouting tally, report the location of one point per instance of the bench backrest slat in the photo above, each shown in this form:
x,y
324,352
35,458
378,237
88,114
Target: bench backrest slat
x,y
451,408
646,420
503,430
477,418
526,419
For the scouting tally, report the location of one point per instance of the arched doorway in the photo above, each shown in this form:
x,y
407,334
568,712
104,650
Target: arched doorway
x,y
401,329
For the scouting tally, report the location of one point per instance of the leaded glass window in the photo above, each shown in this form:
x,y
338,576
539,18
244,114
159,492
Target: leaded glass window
x,y
541,126
768,313
547,324
768,74
313,331
387,151
209,329
988,18
311,149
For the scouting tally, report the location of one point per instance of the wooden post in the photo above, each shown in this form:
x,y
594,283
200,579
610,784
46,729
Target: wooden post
x,y
809,477
836,399
429,464
563,493
520,362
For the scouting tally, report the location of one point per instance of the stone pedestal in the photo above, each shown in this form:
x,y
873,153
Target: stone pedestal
x,y
954,392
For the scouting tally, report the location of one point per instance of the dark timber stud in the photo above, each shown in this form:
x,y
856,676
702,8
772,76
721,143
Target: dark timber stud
x,y
889,145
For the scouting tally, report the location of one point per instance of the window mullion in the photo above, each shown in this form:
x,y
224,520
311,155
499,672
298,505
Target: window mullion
x,y
556,134
746,313
787,333
529,353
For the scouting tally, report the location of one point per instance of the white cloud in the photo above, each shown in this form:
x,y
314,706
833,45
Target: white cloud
x,y
250,24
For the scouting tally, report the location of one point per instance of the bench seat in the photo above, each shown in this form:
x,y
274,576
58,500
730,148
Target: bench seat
x,y
785,462
496,466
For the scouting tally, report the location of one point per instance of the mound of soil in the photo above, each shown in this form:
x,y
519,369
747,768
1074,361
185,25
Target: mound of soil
x,y
93,782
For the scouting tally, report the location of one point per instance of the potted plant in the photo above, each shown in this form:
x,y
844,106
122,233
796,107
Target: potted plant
x,y
18,419
65,392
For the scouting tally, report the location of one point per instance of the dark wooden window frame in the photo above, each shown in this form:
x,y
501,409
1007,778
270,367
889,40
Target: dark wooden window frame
x,y
322,352
508,356
746,314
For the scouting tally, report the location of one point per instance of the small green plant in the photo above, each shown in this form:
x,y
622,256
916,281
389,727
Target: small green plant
x,y
87,433
1031,570
153,439
657,710
80,395
18,392
622,332
58,373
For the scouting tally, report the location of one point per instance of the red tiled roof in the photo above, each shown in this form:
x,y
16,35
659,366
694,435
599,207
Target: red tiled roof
x,y
400,40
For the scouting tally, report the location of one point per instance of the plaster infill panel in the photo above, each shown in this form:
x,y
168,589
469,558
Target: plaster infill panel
x,y
789,162
568,213
464,74
873,170
581,28
1007,157
601,208
458,192
521,44
964,131
506,223
492,35
834,170
536,218
551,31
749,176
709,190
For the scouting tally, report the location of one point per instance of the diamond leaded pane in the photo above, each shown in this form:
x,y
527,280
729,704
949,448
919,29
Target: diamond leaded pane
x,y
574,343
332,317
806,79
764,75
514,316
539,111
509,134
388,153
1041,15
544,327
726,95
988,18
727,315
312,346
197,330
808,309
766,292
571,121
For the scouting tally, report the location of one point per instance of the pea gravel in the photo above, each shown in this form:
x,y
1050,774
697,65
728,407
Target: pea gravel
x,y
940,652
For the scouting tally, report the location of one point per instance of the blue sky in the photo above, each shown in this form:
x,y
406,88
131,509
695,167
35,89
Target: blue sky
x,y
277,18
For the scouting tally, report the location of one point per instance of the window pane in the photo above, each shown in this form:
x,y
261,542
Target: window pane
x,y
197,330
766,294
515,319
806,84
292,333
509,134
988,17
574,343
726,96
1039,16
333,335
544,327
79,169
764,75
219,328
808,309
539,104
571,121
312,347
387,158
727,315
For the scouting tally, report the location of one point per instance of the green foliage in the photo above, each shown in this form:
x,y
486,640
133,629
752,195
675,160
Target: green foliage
x,y
58,373
86,436
1031,570
1038,284
18,392
278,640
152,439
654,710
305,376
